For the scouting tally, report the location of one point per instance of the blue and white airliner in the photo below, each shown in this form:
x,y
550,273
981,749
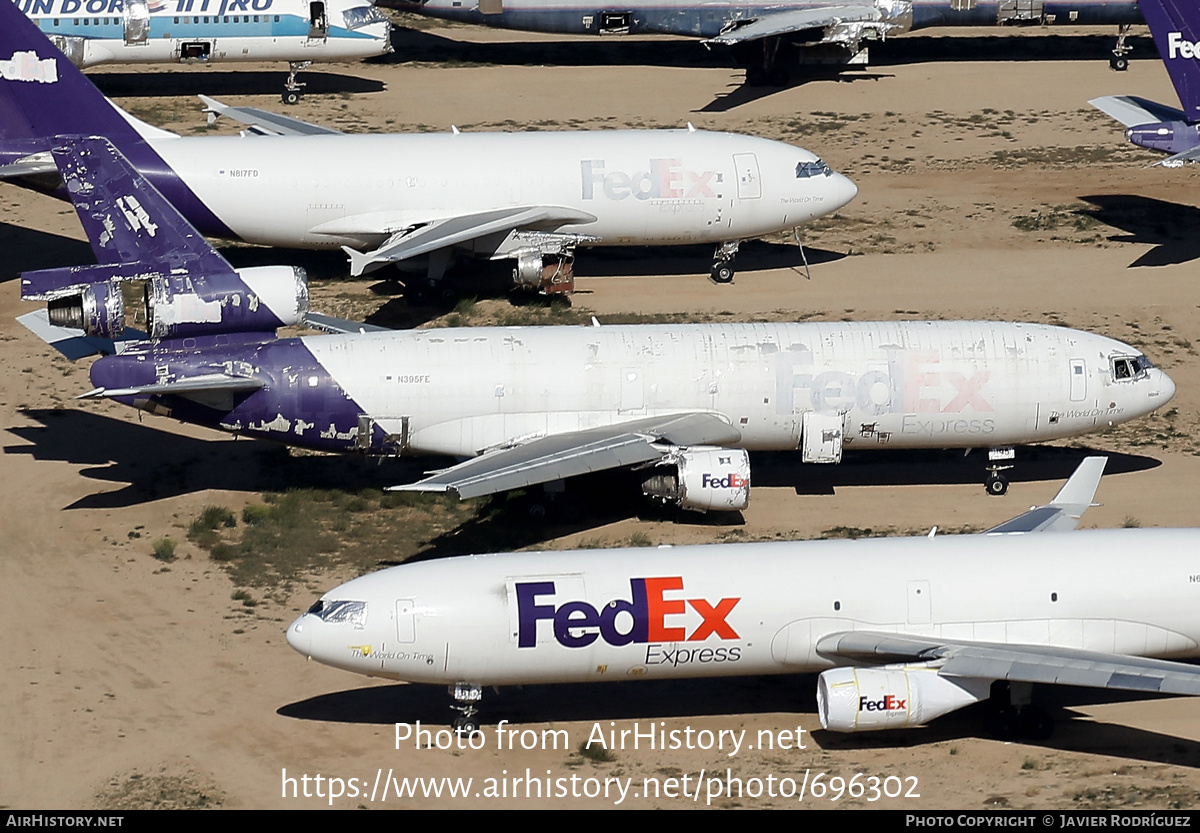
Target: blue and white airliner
x,y
301,32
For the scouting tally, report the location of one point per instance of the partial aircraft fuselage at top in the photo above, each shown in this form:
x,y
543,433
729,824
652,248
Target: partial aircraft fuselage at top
x,y
91,32
708,20
461,392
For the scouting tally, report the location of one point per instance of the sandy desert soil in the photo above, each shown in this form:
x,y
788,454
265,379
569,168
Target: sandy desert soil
x,y
988,188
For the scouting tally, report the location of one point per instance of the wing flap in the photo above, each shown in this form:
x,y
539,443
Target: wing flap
x,y
262,122
579,452
1061,514
782,23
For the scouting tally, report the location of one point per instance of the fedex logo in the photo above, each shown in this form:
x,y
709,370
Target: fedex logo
x,y
667,179
1177,47
649,615
888,703
730,481
25,66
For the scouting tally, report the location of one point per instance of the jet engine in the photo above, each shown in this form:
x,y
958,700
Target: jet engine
x,y
702,478
893,697
178,304
1167,137
548,273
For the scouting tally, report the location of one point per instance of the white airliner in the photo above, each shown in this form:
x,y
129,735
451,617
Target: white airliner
x,y
92,32
531,197
902,630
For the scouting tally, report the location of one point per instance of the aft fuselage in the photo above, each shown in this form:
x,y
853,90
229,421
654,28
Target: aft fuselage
x,y
739,609
461,391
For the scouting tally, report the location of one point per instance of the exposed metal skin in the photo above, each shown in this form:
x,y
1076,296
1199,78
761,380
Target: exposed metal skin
x,y
461,391
94,32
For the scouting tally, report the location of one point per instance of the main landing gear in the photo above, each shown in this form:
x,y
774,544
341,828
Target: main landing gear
x,y
466,700
1120,54
995,482
723,258
1014,715
293,90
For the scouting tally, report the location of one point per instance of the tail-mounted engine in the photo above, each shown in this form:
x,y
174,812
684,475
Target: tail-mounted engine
x,y
894,697
178,304
701,478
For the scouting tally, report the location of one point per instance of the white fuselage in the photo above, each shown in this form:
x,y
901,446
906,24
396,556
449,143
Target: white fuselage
x,y
92,32
642,187
915,384
739,609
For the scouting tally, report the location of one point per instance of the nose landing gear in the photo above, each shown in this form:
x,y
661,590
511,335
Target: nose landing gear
x,y
723,258
293,90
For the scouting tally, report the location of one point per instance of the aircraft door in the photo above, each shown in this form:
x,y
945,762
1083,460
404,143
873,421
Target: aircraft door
x,y
749,186
318,21
137,22
406,621
821,437
1078,380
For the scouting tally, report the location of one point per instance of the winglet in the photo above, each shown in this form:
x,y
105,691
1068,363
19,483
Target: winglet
x,y
1062,514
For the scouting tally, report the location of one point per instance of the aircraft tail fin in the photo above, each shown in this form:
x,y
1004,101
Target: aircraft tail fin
x,y
42,94
1175,25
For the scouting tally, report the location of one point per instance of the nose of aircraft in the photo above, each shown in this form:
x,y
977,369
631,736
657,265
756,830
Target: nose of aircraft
x,y
843,190
300,637
1166,389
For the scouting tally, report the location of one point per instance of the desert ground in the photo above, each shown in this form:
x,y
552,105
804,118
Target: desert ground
x,y
988,188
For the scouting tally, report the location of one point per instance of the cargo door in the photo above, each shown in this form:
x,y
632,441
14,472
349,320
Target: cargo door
x,y
318,21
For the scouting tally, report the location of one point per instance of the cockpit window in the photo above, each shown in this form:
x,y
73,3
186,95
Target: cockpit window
x,y
806,170
354,613
363,16
1129,367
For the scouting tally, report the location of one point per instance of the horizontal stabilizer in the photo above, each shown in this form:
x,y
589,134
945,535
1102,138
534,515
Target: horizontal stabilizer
x,y
1131,111
1019,663
37,163
329,324
782,23
452,231
1063,513
262,122
215,382
578,452
72,343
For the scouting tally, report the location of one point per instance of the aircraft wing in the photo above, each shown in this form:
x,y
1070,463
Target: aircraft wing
x,y
262,122
1019,663
1063,513
578,452
329,324
783,23
451,231
1131,111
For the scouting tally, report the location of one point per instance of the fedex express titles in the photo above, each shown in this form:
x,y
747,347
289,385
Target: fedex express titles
x,y
653,616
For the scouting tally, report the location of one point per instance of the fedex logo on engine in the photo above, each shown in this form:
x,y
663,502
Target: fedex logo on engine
x,y
667,179
729,481
1177,47
653,613
887,703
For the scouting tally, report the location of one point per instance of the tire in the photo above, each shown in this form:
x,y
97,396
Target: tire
x,y
1002,723
1119,63
1033,723
996,485
291,97
722,273
466,726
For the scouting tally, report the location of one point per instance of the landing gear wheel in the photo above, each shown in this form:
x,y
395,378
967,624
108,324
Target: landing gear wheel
x,y
448,296
1002,723
778,75
1119,62
466,726
722,273
996,484
291,96
1034,723
756,76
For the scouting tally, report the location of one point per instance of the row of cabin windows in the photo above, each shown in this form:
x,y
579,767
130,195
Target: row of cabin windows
x,y
106,21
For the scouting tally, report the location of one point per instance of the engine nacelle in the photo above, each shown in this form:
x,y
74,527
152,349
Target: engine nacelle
x,y
547,273
1167,137
702,478
892,697
255,299
98,309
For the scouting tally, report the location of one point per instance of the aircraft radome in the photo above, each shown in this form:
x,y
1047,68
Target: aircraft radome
x,y
92,32
531,197
901,630
770,38
682,405
1175,26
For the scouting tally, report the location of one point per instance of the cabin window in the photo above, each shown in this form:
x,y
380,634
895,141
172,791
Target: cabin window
x,y
837,605
1129,367
363,16
1054,597
807,170
354,613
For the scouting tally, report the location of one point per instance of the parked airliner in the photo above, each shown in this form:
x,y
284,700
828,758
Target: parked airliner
x,y
901,630
681,404
529,197
1175,26
92,32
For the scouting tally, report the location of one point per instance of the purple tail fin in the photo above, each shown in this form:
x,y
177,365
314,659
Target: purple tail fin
x,y
42,94
1175,25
